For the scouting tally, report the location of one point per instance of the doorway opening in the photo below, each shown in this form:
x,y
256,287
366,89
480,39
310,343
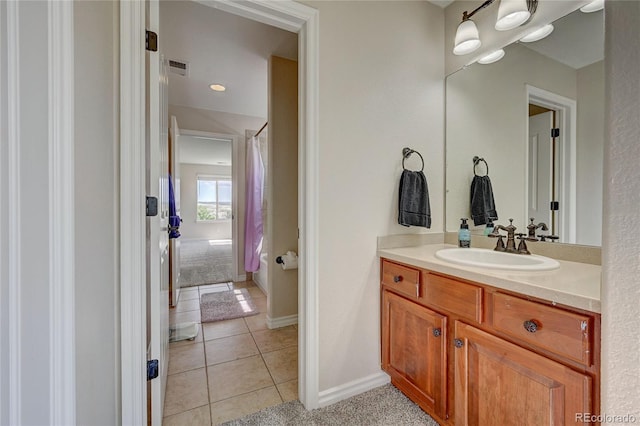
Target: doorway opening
x,y
551,162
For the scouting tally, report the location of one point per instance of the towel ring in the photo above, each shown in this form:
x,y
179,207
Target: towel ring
x,y
476,160
406,153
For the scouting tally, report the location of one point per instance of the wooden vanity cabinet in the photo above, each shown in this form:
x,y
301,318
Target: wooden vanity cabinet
x,y
498,357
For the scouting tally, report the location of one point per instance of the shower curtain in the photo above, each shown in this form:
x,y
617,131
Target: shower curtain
x,y
253,216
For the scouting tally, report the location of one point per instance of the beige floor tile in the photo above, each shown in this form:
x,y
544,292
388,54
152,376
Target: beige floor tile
x,y
184,358
257,322
186,391
189,293
288,390
256,292
235,378
218,329
261,304
198,339
242,284
200,416
213,288
189,316
187,305
243,405
282,364
230,348
272,340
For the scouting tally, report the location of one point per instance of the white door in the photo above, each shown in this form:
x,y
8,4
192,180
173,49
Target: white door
x,y
540,167
157,158
174,168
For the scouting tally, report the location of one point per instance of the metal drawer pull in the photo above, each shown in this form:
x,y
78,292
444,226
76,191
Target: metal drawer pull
x,y
531,326
418,290
458,343
437,332
397,278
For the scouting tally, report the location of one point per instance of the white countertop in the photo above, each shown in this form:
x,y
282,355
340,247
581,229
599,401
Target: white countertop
x,y
573,284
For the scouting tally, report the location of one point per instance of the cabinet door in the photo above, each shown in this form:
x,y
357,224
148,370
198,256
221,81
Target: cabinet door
x,y
413,351
499,383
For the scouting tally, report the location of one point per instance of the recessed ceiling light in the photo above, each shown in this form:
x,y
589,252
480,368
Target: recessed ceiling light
x,y
492,57
538,34
217,87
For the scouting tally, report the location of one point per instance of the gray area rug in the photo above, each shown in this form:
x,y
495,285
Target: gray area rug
x,y
385,405
224,305
205,262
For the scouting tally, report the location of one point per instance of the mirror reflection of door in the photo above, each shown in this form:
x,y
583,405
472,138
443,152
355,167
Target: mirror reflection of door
x,y
543,166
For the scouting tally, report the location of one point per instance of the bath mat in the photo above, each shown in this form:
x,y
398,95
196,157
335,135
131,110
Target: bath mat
x,y
224,305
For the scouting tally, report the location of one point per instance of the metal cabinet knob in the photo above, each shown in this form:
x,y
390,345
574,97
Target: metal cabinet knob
x,y
458,343
531,326
397,278
437,332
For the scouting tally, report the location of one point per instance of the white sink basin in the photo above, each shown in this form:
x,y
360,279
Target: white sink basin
x,y
484,258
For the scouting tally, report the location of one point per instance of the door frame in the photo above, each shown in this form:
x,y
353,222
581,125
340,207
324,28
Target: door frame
x,y
287,15
236,169
566,120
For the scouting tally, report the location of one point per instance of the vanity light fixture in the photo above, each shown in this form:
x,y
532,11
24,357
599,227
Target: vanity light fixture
x,y
216,87
594,6
511,14
538,34
492,57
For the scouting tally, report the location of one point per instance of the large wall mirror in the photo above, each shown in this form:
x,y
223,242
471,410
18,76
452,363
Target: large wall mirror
x,y
505,113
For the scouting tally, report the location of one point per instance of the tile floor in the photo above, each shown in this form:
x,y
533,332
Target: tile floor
x,y
232,368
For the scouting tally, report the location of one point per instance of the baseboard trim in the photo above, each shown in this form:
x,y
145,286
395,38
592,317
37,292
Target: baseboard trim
x,y
281,321
355,387
240,278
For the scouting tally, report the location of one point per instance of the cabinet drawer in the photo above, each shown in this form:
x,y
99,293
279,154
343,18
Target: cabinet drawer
x,y
565,333
454,296
401,278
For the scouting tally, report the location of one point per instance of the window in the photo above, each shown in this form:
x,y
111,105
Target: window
x,y
214,198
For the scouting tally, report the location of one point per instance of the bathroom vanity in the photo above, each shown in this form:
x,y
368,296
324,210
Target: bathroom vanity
x,y
482,346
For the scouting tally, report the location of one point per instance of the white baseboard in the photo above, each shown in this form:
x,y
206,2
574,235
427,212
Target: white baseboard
x,y
281,321
355,387
240,278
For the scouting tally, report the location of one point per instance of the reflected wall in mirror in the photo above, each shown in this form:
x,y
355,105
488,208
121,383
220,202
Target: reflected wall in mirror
x,y
495,112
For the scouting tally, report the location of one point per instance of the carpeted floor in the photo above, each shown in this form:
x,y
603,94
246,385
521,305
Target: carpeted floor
x,y
205,262
382,406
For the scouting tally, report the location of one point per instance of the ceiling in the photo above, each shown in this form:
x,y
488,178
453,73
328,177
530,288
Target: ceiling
x,y
577,40
220,48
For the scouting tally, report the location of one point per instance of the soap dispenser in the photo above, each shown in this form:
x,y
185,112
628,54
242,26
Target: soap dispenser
x,y
464,236
488,230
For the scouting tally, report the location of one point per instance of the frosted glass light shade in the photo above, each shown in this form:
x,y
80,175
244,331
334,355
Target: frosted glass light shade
x,y
538,34
492,57
467,38
594,6
511,14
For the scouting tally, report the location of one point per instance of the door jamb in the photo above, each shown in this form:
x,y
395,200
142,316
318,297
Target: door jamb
x,y
288,15
567,156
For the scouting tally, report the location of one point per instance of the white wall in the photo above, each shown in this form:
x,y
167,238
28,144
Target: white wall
x,y
487,115
589,152
190,228
96,213
381,89
620,244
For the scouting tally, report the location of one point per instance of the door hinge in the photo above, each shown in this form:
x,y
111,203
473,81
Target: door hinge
x,y
555,205
555,133
152,369
152,206
151,41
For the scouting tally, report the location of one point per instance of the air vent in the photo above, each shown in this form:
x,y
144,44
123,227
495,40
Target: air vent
x,y
179,67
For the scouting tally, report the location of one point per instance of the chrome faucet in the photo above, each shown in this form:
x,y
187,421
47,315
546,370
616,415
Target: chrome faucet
x,y
511,242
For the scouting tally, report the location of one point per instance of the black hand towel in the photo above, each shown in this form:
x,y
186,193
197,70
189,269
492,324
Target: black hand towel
x,y
413,205
483,207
